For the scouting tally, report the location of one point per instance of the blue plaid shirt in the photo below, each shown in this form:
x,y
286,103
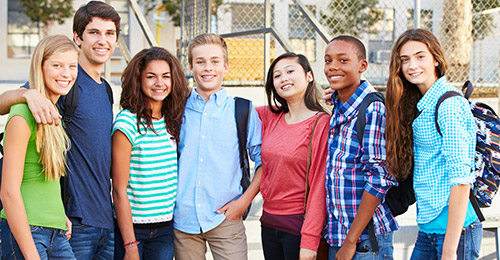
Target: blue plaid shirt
x,y
352,169
441,161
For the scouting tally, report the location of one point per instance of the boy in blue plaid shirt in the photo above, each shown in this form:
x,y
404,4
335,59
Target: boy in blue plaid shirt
x,y
356,174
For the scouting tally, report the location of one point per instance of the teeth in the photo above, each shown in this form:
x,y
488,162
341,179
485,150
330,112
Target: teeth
x,y
101,51
158,90
208,77
286,87
335,77
64,83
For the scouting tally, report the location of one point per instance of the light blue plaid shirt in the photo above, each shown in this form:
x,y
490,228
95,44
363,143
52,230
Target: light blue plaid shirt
x,y
441,161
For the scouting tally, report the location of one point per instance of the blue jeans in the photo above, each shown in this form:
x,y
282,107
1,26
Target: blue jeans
x,y
364,249
91,243
279,245
50,243
430,246
154,243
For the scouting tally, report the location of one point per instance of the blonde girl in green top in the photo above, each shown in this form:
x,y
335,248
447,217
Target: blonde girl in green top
x,y
34,161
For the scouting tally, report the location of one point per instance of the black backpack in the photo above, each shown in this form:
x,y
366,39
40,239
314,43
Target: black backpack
x,y
241,114
400,197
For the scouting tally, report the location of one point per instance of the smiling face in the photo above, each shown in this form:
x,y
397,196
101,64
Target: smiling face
x,y
343,68
290,80
156,81
98,42
208,68
418,65
59,73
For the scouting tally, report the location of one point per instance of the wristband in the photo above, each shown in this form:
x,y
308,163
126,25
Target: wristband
x,y
130,244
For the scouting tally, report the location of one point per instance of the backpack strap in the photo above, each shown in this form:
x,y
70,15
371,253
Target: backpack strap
x,y
469,88
445,96
71,102
242,114
361,121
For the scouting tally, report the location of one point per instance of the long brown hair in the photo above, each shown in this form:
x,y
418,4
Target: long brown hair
x,y
52,142
401,103
134,100
278,104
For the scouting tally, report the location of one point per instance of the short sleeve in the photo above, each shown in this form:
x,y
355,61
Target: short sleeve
x,y
126,122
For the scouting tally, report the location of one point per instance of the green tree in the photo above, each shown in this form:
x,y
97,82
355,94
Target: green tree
x,y
173,8
47,12
482,25
351,16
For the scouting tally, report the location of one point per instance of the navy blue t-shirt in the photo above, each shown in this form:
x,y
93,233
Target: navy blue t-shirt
x,y
89,159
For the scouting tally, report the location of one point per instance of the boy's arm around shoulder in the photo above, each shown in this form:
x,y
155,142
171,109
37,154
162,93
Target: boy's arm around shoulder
x,y
42,108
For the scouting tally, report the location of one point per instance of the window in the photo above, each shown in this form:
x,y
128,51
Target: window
x,y
425,19
301,32
247,17
22,34
383,29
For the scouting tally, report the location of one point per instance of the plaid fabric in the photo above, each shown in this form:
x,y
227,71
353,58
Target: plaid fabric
x,y
441,161
352,169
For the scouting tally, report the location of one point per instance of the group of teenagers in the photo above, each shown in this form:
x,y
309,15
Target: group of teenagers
x,y
163,178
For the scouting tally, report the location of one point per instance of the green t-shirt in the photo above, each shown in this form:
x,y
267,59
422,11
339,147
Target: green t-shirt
x,y
42,199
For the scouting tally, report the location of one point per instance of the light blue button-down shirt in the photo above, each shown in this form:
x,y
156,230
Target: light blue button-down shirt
x,y
209,166
441,161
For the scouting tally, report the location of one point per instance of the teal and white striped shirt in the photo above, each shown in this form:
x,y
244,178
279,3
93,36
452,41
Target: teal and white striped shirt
x,y
152,185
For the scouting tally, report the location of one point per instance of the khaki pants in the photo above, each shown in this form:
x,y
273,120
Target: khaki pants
x,y
227,241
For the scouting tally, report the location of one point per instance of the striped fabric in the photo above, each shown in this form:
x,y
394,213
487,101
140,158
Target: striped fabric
x,y
152,183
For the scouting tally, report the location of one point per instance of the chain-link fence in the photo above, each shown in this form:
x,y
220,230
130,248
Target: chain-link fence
x,y
467,30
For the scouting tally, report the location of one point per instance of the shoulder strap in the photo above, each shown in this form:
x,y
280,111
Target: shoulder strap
x,y
445,96
71,101
309,157
361,121
242,114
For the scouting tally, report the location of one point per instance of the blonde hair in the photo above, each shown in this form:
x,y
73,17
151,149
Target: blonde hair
x,y
204,39
52,142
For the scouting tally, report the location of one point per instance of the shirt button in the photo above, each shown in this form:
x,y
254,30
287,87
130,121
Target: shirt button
x,y
201,160
204,114
202,137
199,183
199,205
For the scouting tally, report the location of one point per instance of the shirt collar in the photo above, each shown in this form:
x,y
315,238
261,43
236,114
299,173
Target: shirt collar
x,y
219,97
431,96
354,101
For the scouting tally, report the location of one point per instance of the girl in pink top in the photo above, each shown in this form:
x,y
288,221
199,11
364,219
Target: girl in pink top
x,y
287,124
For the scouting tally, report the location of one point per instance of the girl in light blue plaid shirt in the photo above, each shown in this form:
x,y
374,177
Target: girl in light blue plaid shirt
x,y
441,164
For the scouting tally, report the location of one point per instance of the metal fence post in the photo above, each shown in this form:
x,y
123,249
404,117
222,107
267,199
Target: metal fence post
x,y
267,36
416,14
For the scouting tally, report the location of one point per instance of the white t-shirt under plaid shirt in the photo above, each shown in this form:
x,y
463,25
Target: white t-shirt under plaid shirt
x,y
152,185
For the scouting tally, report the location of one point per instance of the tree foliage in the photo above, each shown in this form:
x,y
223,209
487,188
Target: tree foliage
x,y
351,16
482,25
47,11
173,8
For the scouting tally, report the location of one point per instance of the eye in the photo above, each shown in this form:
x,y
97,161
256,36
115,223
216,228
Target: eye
x,y
150,77
421,56
73,66
215,61
343,60
110,33
277,76
56,65
327,61
404,60
289,71
199,62
166,76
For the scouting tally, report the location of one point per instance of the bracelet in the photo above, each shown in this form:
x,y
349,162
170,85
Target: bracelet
x,y
130,244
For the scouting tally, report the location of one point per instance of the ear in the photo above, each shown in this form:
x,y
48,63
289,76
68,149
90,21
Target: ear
x,y
77,39
226,67
436,63
309,77
363,65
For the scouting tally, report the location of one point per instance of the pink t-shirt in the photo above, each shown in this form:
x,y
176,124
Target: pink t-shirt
x,y
285,148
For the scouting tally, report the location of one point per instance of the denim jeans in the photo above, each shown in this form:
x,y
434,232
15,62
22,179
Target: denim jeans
x,y
91,243
364,249
154,243
279,245
50,243
430,246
